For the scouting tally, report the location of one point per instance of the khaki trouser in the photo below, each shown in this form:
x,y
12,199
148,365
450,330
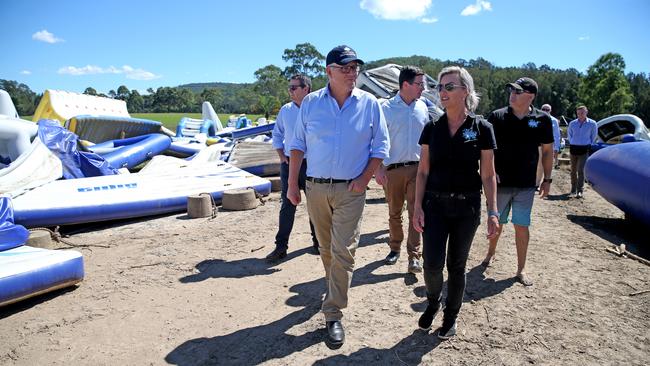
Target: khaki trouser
x,y
336,214
400,187
578,172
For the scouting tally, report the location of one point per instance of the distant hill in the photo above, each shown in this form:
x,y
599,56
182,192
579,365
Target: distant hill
x,y
198,87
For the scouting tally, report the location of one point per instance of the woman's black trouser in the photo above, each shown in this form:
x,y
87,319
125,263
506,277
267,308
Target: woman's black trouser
x,y
450,223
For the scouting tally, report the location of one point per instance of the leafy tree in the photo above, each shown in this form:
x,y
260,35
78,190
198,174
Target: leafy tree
x,y
269,104
270,82
214,96
24,99
247,101
112,94
304,59
640,86
90,91
604,89
135,102
122,93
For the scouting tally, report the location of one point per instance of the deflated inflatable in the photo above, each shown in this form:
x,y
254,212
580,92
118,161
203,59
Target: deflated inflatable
x,y
621,174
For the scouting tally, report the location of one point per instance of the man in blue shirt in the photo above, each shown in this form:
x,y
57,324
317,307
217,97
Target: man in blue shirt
x,y
582,132
406,114
343,132
299,87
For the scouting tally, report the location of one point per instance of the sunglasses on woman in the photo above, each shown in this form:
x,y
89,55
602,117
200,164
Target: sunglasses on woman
x,y
449,86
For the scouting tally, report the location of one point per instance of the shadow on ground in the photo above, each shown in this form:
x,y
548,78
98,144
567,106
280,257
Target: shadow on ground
x,y
9,310
255,345
617,231
220,268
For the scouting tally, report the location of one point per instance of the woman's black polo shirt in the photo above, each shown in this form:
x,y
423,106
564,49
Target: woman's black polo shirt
x,y
454,161
515,161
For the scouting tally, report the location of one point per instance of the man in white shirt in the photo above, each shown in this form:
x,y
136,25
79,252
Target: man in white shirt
x,y
406,114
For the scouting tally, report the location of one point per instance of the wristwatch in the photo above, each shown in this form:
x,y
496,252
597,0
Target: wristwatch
x,y
548,180
494,213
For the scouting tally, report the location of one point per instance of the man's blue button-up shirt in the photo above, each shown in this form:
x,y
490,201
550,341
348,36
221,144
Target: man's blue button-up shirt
x,y
582,133
339,141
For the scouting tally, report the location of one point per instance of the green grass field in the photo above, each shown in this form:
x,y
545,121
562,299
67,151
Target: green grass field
x,y
170,120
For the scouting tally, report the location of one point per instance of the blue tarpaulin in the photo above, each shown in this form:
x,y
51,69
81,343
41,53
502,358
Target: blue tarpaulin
x,y
11,235
63,143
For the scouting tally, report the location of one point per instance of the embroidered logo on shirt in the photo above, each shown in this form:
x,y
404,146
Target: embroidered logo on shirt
x,y
533,123
469,134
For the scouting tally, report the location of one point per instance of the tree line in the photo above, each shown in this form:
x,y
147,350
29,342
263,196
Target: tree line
x,y
604,88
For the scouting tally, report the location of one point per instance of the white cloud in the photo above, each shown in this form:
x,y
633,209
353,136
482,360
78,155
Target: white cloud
x,y
45,36
428,20
25,72
396,10
583,38
476,8
128,71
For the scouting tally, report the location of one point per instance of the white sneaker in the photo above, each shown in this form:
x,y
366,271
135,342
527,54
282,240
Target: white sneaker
x,y
445,333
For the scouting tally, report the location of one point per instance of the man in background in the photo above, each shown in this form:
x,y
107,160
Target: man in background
x,y
406,114
299,87
520,129
582,132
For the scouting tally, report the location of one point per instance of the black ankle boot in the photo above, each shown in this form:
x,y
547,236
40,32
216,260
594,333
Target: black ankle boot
x,y
426,319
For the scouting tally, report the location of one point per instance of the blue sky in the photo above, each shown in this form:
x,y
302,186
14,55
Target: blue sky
x,y
72,44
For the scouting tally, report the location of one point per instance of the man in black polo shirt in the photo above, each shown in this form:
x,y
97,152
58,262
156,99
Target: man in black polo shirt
x,y
519,130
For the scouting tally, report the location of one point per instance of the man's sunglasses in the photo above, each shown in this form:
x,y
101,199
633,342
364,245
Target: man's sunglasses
x,y
294,87
347,69
449,86
510,89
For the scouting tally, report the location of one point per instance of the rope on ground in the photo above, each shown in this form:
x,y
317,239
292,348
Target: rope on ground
x,y
256,249
214,205
57,237
399,359
258,196
639,292
622,252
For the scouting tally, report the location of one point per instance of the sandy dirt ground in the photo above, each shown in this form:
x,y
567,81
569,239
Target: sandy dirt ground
x,y
171,290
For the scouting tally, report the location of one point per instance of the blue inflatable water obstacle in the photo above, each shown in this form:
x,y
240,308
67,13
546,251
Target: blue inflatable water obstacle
x,y
621,174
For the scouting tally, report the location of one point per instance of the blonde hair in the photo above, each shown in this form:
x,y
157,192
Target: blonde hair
x,y
472,98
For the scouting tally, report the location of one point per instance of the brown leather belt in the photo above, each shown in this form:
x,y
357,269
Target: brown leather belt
x,y
328,180
398,165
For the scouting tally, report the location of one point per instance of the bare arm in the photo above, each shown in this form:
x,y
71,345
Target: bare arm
x,y
547,164
488,177
420,185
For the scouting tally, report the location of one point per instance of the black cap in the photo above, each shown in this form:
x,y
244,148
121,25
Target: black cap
x,y
342,55
526,84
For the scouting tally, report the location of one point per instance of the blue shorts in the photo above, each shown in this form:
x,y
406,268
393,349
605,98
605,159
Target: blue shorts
x,y
521,202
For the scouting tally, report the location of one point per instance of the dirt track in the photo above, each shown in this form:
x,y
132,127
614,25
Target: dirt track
x,y
175,291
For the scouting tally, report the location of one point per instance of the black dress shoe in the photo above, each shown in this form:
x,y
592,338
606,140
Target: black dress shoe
x,y
391,258
276,255
335,333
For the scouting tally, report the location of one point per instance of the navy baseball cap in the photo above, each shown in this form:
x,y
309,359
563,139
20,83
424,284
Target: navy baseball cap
x,y
342,55
526,84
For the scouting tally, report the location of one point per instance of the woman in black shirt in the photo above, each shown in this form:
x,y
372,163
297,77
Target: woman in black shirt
x,y
448,192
